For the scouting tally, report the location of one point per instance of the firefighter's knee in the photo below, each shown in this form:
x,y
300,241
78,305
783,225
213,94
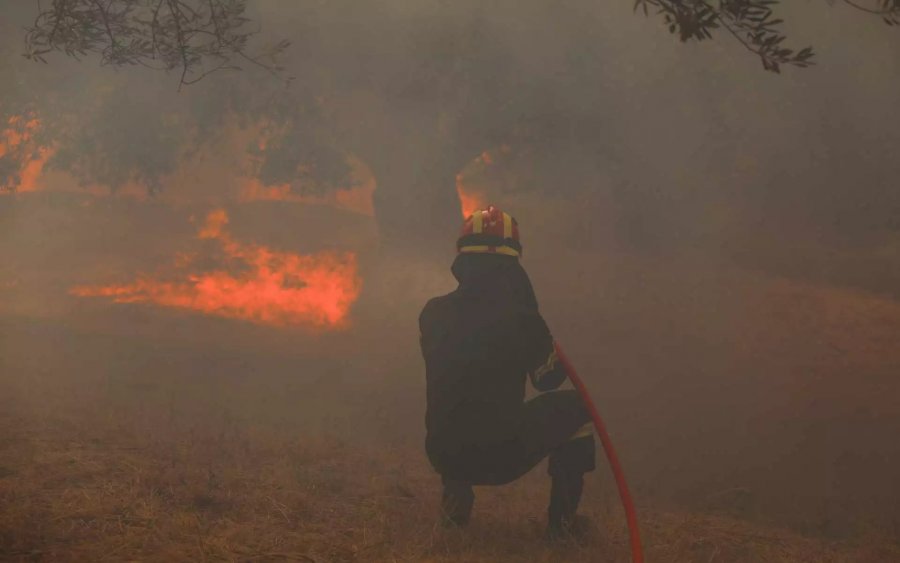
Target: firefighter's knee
x,y
586,430
575,456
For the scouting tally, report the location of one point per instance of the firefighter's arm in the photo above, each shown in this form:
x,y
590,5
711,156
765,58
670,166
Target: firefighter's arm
x,y
549,375
545,370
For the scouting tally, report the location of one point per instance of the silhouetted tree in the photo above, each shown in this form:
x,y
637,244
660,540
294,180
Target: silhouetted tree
x,y
198,37
415,99
204,36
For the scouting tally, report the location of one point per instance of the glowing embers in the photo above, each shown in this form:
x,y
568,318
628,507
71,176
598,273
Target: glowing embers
x,y
27,157
260,285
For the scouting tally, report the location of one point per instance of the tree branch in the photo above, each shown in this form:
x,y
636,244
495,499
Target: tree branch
x,y
866,9
197,37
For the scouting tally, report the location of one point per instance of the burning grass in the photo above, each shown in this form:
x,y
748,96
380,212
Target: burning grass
x,y
148,445
271,287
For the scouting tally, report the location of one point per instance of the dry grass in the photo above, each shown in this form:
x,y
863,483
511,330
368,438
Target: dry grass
x,y
90,486
141,447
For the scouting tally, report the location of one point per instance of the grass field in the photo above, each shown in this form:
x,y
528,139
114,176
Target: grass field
x,y
756,416
103,480
94,488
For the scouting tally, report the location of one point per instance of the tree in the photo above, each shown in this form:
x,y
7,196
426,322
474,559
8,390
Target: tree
x,y
200,37
197,37
416,97
752,22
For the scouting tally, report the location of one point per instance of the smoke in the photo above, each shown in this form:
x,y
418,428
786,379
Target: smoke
x,y
717,247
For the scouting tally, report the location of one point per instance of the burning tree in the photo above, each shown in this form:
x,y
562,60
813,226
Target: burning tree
x,y
416,98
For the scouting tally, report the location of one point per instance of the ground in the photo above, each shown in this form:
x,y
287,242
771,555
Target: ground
x,y
756,418
90,485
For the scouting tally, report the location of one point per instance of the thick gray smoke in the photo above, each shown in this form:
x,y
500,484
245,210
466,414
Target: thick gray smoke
x,y
718,246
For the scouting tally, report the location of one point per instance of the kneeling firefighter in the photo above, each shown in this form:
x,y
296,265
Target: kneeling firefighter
x,y
480,342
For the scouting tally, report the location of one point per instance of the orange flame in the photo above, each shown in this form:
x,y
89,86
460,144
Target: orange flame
x,y
470,201
277,288
17,140
357,199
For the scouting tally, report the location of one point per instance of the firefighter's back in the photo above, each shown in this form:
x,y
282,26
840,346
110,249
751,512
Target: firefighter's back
x,y
476,353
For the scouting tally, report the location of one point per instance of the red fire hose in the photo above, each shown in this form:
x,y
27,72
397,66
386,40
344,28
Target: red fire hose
x,y
637,552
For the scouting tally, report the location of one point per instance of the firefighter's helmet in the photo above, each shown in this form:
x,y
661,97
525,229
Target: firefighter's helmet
x,y
490,231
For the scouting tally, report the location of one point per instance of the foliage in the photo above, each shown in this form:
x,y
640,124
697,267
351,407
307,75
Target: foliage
x,y
752,22
416,94
204,36
197,36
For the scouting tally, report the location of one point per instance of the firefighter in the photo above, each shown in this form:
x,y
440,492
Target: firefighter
x,y
480,343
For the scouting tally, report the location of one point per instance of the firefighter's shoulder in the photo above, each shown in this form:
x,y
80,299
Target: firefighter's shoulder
x,y
435,309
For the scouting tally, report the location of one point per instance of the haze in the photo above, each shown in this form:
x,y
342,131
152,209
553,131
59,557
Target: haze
x,y
717,247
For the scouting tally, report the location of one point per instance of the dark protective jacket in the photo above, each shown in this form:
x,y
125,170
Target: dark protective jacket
x,y
479,343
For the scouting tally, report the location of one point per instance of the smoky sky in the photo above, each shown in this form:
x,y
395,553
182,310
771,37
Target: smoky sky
x,y
681,132
646,146
718,246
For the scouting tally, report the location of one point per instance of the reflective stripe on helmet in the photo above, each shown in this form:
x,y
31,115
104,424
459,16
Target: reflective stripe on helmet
x,y
507,225
478,222
490,231
484,249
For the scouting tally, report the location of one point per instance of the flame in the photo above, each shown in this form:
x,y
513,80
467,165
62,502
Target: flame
x,y
17,140
215,225
470,201
357,199
18,132
276,288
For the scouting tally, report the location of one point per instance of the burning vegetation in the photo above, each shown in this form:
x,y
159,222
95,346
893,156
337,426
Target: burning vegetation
x,y
469,201
357,198
722,255
252,283
22,159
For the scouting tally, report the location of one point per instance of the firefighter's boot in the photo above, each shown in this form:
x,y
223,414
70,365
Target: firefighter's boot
x,y
456,503
567,467
565,495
